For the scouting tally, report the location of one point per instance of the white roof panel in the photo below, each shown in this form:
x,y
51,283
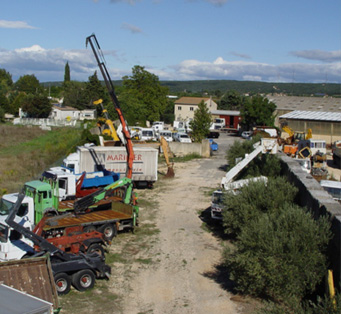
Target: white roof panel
x,y
312,115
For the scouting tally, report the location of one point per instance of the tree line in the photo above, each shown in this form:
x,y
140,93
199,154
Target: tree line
x,y
141,96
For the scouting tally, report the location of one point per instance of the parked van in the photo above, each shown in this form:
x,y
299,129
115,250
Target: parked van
x,y
167,135
158,126
148,134
183,138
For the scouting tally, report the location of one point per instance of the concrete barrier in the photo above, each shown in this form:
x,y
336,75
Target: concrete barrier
x,y
182,149
319,202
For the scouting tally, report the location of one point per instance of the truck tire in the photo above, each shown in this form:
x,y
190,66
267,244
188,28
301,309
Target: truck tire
x,y
95,248
63,283
109,231
83,280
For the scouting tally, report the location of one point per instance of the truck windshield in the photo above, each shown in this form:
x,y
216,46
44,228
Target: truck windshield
x,y
5,207
3,233
217,198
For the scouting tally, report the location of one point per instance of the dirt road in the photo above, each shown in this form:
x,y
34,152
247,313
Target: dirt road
x,y
183,256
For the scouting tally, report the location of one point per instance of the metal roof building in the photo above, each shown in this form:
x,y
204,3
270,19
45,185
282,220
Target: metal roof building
x,y
324,125
321,114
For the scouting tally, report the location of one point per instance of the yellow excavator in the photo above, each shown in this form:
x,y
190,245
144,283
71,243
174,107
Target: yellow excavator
x,y
109,128
290,145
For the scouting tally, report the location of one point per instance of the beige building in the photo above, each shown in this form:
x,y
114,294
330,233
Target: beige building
x,y
185,106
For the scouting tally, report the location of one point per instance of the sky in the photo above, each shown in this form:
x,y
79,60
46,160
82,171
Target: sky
x,y
255,40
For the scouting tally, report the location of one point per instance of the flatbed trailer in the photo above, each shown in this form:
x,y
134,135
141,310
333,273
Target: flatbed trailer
x,y
108,221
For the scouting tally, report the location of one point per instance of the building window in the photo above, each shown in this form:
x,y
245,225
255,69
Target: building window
x,y
191,108
179,107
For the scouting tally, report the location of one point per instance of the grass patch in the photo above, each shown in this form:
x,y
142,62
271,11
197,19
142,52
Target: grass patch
x,y
146,261
112,258
186,157
90,299
27,151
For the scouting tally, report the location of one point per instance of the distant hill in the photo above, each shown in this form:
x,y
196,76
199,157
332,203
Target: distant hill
x,y
297,89
212,86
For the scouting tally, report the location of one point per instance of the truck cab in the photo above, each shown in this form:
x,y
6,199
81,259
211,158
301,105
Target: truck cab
x,y
43,198
217,204
13,245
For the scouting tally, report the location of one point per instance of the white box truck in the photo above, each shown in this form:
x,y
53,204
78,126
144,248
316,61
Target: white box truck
x,y
114,158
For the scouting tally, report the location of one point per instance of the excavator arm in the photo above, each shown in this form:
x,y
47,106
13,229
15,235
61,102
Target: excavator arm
x,y
92,40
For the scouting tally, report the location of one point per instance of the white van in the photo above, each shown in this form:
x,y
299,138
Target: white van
x,y
158,126
167,135
183,138
148,134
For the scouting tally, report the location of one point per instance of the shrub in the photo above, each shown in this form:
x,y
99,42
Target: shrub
x,y
264,164
322,306
280,255
253,200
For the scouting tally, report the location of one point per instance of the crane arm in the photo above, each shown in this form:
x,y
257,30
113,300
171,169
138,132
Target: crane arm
x,y
110,86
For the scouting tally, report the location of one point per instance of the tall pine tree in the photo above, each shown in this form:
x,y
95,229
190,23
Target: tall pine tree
x,y
67,77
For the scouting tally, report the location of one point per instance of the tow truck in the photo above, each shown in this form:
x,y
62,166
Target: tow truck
x,y
79,270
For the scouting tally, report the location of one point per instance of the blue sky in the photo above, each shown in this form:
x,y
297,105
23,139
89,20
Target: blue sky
x,y
258,40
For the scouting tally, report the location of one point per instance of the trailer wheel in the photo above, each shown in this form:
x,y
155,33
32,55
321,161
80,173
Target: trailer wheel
x,y
83,280
95,248
63,283
109,231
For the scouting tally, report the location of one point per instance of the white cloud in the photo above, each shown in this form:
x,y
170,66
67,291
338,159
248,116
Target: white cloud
x,y
132,28
15,24
49,65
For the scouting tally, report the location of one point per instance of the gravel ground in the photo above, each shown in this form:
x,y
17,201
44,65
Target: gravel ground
x,y
183,277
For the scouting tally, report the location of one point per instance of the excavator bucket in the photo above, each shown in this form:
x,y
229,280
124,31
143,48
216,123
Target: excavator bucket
x,y
170,172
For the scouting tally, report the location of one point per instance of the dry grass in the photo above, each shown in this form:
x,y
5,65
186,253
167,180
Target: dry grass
x,y
25,152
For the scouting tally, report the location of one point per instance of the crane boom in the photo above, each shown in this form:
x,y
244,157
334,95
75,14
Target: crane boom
x,y
110,86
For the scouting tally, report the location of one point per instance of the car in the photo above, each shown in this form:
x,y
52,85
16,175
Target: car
x,y
247,135
213,144
183,138
213,134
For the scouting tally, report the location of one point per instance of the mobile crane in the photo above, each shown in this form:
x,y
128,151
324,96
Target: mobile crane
x,y
92,40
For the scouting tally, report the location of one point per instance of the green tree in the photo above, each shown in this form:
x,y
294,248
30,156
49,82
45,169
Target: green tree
x,y
168,115
2,114
67,76
280,255
74,95
36,106
4,103
201,122
94,90
28,84
6,82
258,111
17,102
231,100
145,88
